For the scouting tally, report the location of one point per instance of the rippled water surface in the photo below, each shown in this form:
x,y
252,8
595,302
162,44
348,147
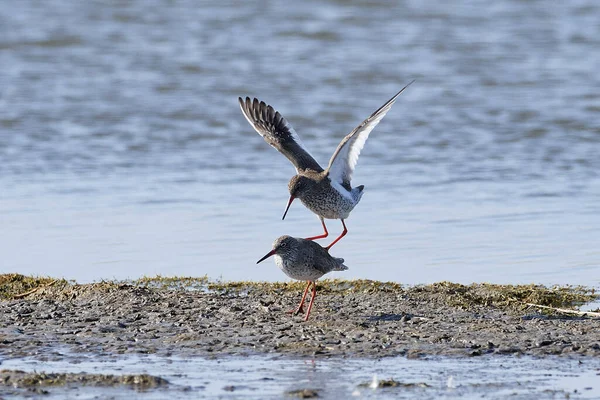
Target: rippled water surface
x,y
259,377
123,151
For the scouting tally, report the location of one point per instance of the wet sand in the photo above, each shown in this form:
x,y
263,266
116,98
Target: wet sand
x,y
194,317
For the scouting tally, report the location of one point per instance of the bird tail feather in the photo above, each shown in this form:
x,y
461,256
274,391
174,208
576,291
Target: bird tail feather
x,y
340,266
357,192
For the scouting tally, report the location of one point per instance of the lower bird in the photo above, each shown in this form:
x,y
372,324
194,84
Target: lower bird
x,y
326,192
303,260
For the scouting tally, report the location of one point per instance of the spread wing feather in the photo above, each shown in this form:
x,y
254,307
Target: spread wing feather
x,y
345,157
279,133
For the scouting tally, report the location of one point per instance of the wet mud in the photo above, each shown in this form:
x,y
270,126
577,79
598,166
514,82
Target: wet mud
x,y
19,383
196,317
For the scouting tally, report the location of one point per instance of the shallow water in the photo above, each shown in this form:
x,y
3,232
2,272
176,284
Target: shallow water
x,y
272,377
123,151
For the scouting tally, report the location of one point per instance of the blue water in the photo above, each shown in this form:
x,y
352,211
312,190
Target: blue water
x,y
123,152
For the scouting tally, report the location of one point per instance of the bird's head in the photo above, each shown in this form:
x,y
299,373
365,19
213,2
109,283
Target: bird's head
x,y
297,187
282,246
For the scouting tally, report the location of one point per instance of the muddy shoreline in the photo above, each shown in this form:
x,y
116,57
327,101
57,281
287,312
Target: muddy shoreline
x,y
47,318
20,383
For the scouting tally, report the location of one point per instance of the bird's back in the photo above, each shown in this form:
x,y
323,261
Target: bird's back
x,y
322,260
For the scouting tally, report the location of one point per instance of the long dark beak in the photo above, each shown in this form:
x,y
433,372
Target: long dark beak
x,y
269,254
288,206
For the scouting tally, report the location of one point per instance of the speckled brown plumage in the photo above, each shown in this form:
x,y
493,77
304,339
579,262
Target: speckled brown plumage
x,y
326,192
303,260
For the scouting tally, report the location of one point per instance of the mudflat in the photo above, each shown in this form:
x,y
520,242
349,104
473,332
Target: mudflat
x,y
196,317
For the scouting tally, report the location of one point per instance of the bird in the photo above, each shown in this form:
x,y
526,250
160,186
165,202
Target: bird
x,y
326,192
304,260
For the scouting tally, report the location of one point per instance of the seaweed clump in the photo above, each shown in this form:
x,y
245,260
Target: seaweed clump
x,y
333,286
21,379
17,285
512,296
172,282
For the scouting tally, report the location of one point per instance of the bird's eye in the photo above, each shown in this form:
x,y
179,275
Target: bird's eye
x,y
283,244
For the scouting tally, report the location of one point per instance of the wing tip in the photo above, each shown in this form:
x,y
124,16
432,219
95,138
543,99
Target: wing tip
x,y
259,111
404,88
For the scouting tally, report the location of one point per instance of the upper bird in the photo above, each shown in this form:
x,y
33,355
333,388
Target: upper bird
x,y
326,192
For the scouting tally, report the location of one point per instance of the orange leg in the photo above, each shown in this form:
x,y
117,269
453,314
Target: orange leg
x,y
312,299
339,237
324,235
300,309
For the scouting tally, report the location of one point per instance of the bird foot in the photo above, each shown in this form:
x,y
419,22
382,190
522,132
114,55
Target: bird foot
x,y
299,310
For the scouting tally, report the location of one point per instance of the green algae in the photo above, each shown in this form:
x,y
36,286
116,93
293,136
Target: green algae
x,y
13,286
304,393
172,282
391,383
454,294
494,295
339,286
17,285
21,379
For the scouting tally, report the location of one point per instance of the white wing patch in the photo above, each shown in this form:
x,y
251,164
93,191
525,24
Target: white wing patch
x,y
342,165
342,190
343,161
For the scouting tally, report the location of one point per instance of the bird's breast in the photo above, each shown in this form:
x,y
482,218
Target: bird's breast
x,y
297,270
328,202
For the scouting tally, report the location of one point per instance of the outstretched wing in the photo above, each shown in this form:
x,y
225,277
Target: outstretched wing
x,y
278,133
345,157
